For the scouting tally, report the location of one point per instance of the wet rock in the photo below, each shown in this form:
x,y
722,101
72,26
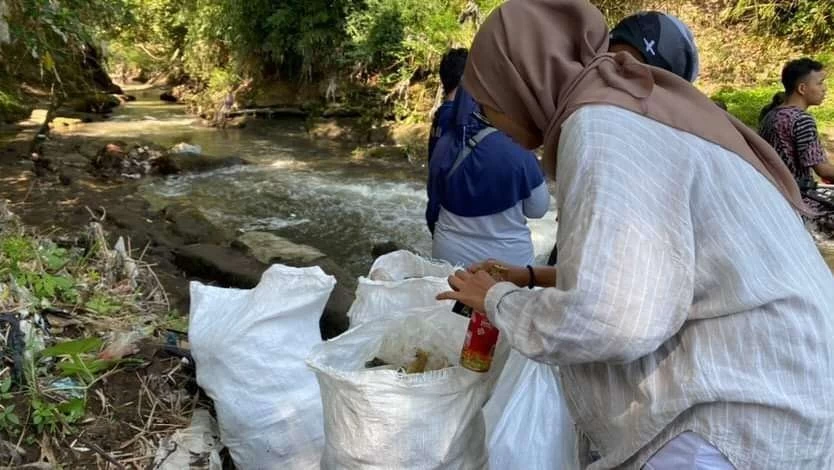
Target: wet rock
x,y
140,229
227,266
165,165
334,320
138,76
191,225
111,156
64,178
168,97
99,103
183,148
386,247
269,249
236,122
231,267
192,163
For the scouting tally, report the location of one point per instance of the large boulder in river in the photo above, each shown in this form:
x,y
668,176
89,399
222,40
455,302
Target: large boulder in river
x,y
185,157
228,267
268,249
188,223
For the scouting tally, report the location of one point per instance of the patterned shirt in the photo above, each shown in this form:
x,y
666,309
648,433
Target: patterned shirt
x,y
793,133
684,301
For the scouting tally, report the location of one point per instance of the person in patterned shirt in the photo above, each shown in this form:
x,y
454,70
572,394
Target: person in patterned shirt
x,y
787,126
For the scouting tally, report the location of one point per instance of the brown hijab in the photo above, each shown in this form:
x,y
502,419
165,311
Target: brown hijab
x,y
538,61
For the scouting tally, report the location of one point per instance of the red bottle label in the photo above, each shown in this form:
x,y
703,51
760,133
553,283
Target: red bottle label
x,y
479,346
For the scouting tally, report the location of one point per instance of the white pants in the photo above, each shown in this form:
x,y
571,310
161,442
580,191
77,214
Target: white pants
x,y
688,451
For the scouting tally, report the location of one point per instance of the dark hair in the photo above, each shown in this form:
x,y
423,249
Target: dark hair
x,y
778,100
793,74
451,68
797,70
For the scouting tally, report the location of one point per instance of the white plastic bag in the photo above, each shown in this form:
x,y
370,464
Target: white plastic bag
x,y
249,347
535,431
396,282
503,392
383,419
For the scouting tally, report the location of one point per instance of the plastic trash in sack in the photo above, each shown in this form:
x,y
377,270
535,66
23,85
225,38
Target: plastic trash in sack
x,y
195,448
537,416
249,347
399,281
384,419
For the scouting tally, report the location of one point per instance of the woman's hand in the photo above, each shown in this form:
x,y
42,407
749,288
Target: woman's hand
x,y
518,275
469,289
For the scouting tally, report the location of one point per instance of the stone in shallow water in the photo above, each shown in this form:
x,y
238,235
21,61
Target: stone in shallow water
x,y
268,248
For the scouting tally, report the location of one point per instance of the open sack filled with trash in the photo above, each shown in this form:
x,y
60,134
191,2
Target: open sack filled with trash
x,y
389,416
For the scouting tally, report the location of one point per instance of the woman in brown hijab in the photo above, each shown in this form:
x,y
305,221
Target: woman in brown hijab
x,y
685,310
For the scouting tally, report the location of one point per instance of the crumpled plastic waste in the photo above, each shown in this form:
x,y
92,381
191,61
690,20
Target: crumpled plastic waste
x,y
195,448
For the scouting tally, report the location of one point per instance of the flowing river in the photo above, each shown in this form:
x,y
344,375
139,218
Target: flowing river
x,y
308,191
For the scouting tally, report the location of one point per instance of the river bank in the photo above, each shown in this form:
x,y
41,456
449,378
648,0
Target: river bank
x,y
308,189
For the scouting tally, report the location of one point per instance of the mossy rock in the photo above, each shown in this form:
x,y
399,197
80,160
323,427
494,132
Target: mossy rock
x,y
12,110
95,103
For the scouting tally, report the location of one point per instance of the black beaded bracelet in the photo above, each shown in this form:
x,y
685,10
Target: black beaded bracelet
x,y
532,282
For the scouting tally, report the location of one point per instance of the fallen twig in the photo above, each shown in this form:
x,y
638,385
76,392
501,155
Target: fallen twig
x,y
102,453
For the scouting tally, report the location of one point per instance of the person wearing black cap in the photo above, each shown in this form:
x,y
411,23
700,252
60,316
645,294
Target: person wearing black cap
x,y
658,39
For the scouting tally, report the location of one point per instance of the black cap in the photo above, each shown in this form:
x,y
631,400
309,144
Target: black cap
x,y
663,40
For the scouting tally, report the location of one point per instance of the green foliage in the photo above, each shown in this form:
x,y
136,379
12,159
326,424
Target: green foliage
x,y
49,288
49,40
176,321
746,104
78,359
54,418
19,258
614,10
809,22
16,249
103,304
409,34
12,109
71,348
9,422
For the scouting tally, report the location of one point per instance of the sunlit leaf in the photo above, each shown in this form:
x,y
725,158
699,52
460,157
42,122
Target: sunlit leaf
x,y
68,348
